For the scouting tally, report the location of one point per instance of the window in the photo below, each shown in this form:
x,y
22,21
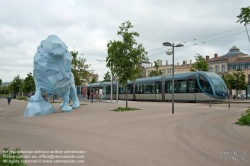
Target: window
x,y
223,68
191,86
147,88
181,87
210,69
217,69
242,66
139,88
158,87
164,71
205,84
169,71
248,65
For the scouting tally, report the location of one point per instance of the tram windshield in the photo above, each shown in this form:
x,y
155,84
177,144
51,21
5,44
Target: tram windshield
x,y
218,82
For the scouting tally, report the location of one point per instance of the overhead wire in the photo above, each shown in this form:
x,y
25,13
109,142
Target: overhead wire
x,y
193,44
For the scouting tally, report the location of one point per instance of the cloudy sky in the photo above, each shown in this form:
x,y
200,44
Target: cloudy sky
x,y
86,26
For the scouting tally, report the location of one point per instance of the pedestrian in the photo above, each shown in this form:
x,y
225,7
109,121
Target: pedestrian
x,y
88,93
92,95
100,94
9,99
234,97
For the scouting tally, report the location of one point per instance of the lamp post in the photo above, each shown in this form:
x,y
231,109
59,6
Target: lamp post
x,y
169,53
18,91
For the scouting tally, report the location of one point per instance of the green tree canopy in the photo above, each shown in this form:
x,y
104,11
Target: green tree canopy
x,y
227,77
156,72
79,68
107,77
244,17
15,85
200,64
0,82
124,56
236,80
93,80
28,84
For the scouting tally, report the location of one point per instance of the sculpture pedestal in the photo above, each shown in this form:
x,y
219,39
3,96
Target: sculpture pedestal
x,y
39,108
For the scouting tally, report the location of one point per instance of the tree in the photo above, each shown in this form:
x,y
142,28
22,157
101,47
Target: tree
x,y
235,81
156,72
244,17
93,80
16,85
107,77
228,79
238,83
0,82
28,84
200,64
79,68
124,56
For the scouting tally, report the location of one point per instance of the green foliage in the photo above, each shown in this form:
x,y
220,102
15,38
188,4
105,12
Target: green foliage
x,y
156,72
200,64
124,56
107,77
228,79
11,157
245,118
93,80
15,85
0,82
235,81
121,109
79,68
244,16
4,90
28,84
239,80
22,98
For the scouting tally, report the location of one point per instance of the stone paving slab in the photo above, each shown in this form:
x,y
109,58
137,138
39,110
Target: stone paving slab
x,y
195,135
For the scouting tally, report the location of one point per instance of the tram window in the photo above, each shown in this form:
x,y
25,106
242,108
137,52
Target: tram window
x,y
169,87
152,88
181,87
197,88
147,88
158,87
122,90
130,89
114,89
191,86
206,86
139,88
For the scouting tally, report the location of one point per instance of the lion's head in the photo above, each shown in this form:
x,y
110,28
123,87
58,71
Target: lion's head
x,y
52,64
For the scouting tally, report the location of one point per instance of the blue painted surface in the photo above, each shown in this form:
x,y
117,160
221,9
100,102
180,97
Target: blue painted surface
x,y
52,73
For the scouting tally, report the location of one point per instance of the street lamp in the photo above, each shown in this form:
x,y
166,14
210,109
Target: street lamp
x,y
169,53
18,91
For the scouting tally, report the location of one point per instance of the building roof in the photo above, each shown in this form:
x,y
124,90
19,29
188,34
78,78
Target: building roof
x,y
145,62
233,52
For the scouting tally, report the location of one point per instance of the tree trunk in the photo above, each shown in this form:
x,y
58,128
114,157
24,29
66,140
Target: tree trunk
x,y
126,95
247,33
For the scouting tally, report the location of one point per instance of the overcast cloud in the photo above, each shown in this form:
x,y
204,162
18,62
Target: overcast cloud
x,y
87,26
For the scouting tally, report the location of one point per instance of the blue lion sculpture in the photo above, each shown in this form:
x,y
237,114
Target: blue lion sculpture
x,y
52,73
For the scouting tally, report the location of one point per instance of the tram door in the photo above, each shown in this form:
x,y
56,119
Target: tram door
x,y
104,92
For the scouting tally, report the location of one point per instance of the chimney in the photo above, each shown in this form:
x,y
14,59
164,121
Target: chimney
x,y
166,62
183,63
177,64
207,57
215,55
190,62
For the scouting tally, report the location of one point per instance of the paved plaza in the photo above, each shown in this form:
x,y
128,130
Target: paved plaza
x,y
196,135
